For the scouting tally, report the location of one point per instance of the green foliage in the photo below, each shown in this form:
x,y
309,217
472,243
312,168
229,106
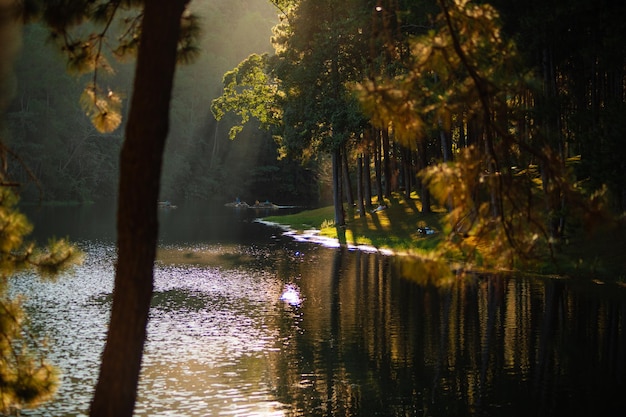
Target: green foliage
x,y
441,80
104,110
248,92
319,49
472,229
26,377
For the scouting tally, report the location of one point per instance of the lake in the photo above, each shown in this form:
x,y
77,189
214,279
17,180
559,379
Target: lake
x,y
247,321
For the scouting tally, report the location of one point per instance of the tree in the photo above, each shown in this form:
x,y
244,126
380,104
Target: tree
x,y
27,378
461,69
162,35
249,93
466,81
137,227
577,50
301,91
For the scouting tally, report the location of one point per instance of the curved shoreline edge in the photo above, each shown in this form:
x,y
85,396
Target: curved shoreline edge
x,y
313,236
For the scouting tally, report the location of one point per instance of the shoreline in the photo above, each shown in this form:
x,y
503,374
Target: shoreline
x,y
313,236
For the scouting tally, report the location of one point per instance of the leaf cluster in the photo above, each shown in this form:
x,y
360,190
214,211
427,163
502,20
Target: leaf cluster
x,y
497,189
249,93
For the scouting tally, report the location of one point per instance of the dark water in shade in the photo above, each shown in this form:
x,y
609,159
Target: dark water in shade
x,y
248,322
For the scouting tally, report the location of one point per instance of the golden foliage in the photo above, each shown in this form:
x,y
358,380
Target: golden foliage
x,y
26,378
104,110
439,81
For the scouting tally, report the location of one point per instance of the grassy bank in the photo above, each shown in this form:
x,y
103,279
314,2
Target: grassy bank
x,y
396,227
600,255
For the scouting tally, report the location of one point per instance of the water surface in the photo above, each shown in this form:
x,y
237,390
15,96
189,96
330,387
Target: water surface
x,y
248,322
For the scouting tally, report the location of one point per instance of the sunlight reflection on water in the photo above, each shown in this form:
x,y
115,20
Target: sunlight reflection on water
x,y
291,295
207,343
210,332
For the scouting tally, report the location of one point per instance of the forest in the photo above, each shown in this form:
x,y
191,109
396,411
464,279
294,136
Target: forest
x,y
558,90
509,116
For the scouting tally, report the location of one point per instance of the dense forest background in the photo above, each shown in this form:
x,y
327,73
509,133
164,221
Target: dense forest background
x,y
65,159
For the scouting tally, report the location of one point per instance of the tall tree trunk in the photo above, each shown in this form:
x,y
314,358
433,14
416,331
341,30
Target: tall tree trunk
x,y
340,218
407,170
359,185
377,167
346,177
422,158
137,223
386,151
446,146
367,176
551,188
367,179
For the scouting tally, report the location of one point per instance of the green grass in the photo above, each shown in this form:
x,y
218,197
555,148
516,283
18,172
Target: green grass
x,y
394,228
305,220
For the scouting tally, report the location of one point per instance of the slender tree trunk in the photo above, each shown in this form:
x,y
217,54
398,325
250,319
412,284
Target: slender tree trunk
x,y
446,146
340,219
377,167
137,224
367,179
422,164
346,178
359,186
407,171
551,188
367,176
386,151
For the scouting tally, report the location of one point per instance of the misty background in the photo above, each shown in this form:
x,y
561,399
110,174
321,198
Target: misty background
x,y
63,158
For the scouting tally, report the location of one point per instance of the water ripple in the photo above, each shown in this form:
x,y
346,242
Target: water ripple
x,y
209,332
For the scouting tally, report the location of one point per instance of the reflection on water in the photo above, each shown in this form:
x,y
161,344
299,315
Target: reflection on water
x,y
291,295
272,327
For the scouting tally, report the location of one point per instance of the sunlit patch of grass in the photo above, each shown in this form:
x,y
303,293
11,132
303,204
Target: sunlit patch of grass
x,y
306,220
395,227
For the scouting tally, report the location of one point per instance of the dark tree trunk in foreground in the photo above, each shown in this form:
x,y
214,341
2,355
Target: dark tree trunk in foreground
x,y
137,224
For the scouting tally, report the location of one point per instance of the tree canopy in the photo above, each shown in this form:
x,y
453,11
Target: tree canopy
x,y
472,97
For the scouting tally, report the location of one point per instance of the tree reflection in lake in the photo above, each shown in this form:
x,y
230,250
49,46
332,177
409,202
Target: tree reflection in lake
x,y
371,343
370,336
